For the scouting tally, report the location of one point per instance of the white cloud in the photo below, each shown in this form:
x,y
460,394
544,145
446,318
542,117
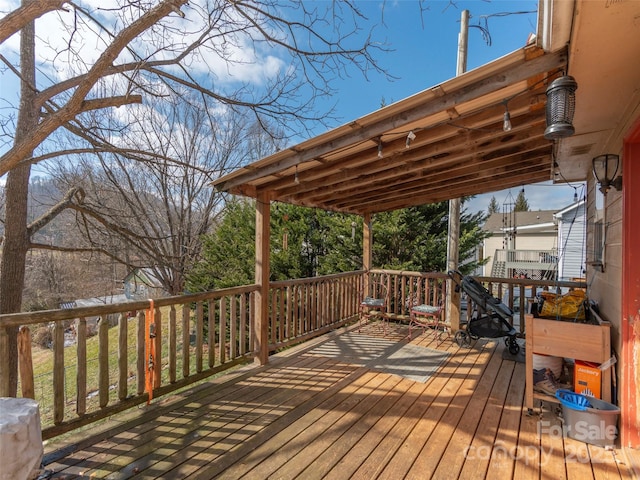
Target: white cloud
x,y
66,47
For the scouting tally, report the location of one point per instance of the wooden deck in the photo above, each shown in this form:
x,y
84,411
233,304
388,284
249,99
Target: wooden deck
x,y
310,415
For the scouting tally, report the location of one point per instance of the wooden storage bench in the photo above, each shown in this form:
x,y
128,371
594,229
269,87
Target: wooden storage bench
x,y
580,341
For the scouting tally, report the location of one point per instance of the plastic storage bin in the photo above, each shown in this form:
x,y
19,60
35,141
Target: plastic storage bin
x,y
589,419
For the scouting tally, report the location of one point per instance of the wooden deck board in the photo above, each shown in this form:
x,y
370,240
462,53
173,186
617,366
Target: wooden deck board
x,y
354,432
434,418
309,416
480,433
457,414
502,462
313,451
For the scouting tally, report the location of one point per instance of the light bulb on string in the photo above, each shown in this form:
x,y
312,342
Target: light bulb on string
x,y
506,124
410,138
506,119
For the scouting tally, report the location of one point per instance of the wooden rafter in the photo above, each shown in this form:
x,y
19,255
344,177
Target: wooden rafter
x,y
459,148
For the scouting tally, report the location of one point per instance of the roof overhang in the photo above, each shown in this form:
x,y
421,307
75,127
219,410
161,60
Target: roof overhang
x,y
604,39
459,149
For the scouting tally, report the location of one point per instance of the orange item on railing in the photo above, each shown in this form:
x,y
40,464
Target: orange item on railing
x,y
149,349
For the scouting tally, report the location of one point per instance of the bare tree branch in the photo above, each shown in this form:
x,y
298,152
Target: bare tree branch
x,y
16,20
57,248
75,104
65,202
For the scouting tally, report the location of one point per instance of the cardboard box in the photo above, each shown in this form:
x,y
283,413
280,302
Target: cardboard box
x,y
587,378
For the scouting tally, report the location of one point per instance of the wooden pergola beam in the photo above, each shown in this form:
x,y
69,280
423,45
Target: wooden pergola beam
x,y
469,89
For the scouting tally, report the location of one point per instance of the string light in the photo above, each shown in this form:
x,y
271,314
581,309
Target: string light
x,y
295,177
506,123
379,148
410,138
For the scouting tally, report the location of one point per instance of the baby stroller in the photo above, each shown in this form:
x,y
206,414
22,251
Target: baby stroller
x,y
490,318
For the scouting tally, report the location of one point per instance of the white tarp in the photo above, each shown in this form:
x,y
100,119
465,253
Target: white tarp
x,y
21,447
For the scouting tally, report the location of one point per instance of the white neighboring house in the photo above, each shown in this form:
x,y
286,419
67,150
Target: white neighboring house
x,y
521,243
546,244
572,232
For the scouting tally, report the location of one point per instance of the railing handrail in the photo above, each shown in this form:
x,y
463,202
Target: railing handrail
x,y
527,282
409,273
41,316
298,281
208,332
511,254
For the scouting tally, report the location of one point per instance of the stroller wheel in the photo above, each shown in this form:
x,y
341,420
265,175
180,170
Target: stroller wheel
x,y
463,339
512,345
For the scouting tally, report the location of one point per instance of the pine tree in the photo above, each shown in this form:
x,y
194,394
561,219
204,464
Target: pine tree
x,y
521,203
307,242
493,206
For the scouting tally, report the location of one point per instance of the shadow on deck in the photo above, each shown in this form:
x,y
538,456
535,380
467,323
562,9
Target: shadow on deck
x,y
347,405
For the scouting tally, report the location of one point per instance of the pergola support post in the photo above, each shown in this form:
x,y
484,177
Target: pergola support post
x,y
367,240
260,322
453,297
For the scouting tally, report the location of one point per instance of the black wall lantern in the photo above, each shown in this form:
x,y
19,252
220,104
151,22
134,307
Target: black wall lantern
x,y
605,168
561,105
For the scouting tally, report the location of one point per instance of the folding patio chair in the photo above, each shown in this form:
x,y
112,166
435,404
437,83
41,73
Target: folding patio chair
x,y
425,316
375,303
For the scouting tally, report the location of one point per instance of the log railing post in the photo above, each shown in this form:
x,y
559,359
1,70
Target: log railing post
x,y
103,362
141,363
173,344
123,346
157,370
211,332
81,372
25,362
186,340
58,373
5,388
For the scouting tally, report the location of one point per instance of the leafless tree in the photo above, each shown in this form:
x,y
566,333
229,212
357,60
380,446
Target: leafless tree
x,y
97,58
153,214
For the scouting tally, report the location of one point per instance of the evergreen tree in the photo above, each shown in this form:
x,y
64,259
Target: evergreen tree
x,y
493,206
416,238
228,253
309,242
521,203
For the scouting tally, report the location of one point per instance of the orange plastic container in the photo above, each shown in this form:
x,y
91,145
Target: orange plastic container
x,y
587,378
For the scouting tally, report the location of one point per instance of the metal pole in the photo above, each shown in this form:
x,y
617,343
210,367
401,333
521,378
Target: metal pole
x,y
453,238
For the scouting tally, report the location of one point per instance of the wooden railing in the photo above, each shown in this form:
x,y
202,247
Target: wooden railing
x,y
429,288
304,308
527,256
197,336
519,293
92,377
82,378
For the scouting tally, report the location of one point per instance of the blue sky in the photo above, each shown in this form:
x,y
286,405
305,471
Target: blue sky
x,y
424,53
422,38
424,46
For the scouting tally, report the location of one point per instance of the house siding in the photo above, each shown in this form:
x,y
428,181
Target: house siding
x,y
605,288
572,231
